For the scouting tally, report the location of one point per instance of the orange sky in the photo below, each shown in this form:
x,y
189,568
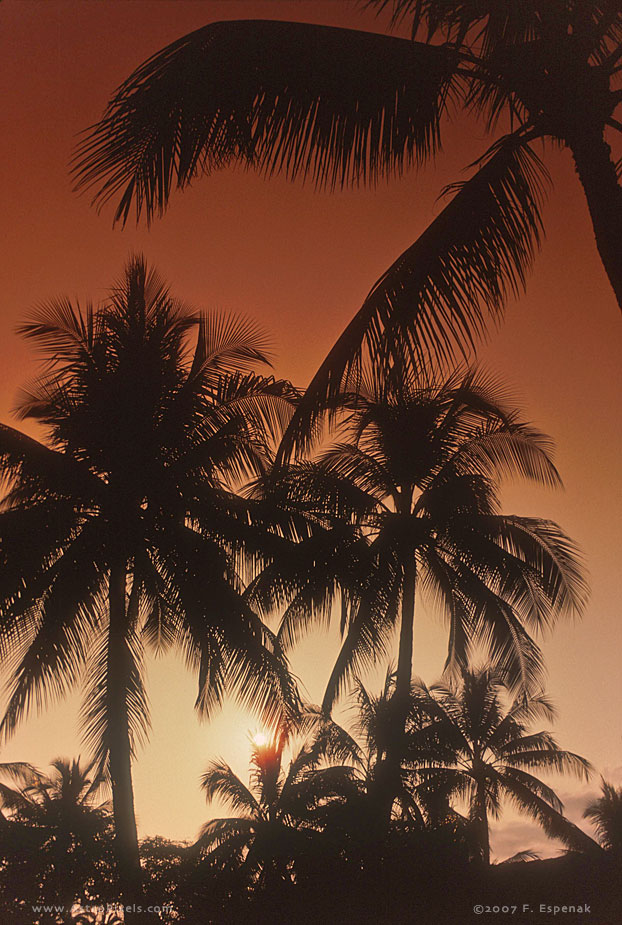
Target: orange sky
x,y
302,262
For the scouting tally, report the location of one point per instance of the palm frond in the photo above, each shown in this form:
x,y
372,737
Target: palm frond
x,y
531,753
606,814
64,332
280,96
51,658
548,816
433,302
231,834
220,782
366,640
19,771
515,451
46,471
227,344
115,672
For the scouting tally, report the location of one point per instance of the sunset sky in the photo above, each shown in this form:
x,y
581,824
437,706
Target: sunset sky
x,y
302,262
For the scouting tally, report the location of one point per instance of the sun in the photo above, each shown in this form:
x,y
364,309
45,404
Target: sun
x,y
260,739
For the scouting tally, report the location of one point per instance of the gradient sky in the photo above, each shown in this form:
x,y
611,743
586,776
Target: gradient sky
x,y
302,262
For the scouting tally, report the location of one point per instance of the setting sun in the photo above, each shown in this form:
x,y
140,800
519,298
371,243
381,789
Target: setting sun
x,y
260,739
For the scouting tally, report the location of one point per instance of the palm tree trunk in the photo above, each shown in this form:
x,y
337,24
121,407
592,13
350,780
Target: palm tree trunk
x,y
597,174
480,818
401,697
405,652
118,675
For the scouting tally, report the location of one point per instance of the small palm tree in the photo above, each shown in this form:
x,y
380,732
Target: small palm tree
x,y
61,839
280,816
126,528
474,747
429,808
606,813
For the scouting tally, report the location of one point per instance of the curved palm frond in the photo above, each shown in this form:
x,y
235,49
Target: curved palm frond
x,y
112,665
53,651
433,301
521,792
228,835
219,782
296,100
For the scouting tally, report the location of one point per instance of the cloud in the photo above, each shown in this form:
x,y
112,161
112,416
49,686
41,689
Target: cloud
x,y
508,838
514,833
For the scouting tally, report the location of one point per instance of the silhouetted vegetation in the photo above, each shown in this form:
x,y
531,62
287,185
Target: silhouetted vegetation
x,y
154,515
177,497
114,529
57,844
344,108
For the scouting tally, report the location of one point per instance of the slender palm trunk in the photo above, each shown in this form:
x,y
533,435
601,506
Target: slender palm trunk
x,y
405,653
401,697
118,675
597,173
480,819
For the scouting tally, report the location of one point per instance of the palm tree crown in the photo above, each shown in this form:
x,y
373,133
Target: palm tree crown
x,y
427,461
284,809
60,842
606,813
471,745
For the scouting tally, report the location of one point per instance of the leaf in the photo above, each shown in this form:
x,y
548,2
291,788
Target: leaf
x,y
338,105
433,302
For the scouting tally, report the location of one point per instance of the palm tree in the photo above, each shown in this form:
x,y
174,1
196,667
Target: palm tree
x,y
423,466
279,817
475,747
606,813
426,809
345,107
124,529
61,838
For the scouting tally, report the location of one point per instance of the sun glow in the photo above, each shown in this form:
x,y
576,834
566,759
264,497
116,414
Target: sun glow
x,y
260,739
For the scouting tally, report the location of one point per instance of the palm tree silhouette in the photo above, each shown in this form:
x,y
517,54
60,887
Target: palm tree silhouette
x,y
475,747
280,816
125,530
346,107
61,835
422,466
606,813
374,724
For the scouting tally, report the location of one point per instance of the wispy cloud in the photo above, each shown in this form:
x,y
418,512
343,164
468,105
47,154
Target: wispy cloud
x,y
514,833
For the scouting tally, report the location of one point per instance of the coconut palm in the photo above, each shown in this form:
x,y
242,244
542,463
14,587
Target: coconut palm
x,y
476,747
60,845
423,467
345,107
374,725
280,815
124,529
606,813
